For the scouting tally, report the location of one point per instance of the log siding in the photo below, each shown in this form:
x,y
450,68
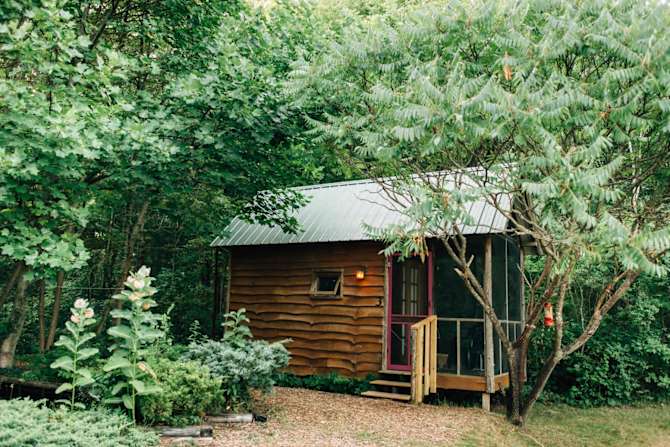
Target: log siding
x,y
327,334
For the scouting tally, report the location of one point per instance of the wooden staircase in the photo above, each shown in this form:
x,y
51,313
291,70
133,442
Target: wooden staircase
x,y
422,380
393,385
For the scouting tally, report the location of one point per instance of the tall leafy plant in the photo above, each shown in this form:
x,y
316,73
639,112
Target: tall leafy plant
x,y
72,363
138,329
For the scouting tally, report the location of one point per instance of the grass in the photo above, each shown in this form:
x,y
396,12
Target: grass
x,y
559,425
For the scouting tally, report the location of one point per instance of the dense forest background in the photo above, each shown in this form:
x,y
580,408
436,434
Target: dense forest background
x,y
169,117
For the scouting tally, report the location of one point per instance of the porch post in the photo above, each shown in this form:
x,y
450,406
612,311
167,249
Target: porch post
x,y
489,368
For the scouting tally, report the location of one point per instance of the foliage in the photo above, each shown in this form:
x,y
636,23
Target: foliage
x,y
81,317
188,392
125,113
241,362
26,422
332,383
132,339
627,361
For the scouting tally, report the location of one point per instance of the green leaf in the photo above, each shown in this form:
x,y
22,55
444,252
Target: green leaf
x,y
138,385
63,362
67,343
85,372
127,401
85,337
117,388
87,353
64,387
116,362
120,331
83,381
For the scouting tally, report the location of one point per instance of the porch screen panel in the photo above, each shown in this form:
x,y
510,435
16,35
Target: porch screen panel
x,y
460,344
446,346
452,299
472,348
514,278
499,276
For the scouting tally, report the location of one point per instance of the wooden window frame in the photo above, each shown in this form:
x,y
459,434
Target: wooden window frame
x,y
327,295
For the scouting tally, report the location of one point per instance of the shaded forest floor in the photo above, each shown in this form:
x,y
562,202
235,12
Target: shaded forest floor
x,y
299,417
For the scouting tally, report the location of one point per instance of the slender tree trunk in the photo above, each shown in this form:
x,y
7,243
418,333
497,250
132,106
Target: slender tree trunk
x,y
131,241
540,383
43,341
11,282
17,321
55,310
515,387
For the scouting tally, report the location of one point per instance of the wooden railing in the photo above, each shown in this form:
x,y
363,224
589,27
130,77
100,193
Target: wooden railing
x,y
424,358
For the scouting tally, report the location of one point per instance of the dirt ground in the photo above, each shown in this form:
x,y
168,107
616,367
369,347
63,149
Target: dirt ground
x,y
299,417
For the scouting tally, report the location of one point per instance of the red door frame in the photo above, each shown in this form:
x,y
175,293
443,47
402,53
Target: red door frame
x,y
389,308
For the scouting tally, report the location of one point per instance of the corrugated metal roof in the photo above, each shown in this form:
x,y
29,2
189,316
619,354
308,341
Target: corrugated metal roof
x,y
337,211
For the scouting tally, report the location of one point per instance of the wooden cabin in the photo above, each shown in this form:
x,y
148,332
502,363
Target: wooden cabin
x,y
349,309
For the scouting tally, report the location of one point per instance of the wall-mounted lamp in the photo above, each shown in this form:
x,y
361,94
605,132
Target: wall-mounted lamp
x,y
360,272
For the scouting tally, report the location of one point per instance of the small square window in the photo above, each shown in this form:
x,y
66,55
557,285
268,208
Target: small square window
x,y
327,284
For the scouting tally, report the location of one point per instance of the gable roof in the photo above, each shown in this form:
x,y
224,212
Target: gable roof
x,y
336,212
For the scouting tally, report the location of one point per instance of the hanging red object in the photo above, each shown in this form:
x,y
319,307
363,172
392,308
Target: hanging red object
x,y
548,315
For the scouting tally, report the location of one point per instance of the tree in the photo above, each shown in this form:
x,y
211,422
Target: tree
x,y
556,113
135,130
61,118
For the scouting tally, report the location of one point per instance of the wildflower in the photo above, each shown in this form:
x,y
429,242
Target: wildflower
x,y
145,368
80,303
146,306
136,283
75,318
135,296
88,313
144,271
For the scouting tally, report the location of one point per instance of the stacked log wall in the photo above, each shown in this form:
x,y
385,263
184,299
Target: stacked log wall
x,y
344,334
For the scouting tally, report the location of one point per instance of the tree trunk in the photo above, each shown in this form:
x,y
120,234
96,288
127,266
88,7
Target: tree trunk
x,y
131,240
515,387
11,282
43,341
541,381
55,311
17,321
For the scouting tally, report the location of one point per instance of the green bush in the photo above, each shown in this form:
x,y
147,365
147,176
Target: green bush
x,y
241,362
29,423
626,361
332,383
188,392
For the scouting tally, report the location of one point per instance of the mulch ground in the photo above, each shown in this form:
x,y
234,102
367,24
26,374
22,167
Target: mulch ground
x,y
298,417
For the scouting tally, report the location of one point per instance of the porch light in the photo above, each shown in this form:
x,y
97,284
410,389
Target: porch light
x,y
360,273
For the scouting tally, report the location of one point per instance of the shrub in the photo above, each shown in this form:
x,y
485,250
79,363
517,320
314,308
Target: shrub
x,y
332,383
27,422
241,362
627,360
188,392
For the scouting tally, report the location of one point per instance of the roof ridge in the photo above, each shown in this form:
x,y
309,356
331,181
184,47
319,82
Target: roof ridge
x,y
333,184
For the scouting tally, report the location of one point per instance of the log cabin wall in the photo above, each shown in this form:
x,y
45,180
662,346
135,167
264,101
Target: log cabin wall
x,y
343,335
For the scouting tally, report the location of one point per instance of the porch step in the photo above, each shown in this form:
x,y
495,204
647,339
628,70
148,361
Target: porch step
x,y
395,372
392,383
383,395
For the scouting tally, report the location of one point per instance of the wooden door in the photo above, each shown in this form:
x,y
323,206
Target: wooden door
x,y
410,301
